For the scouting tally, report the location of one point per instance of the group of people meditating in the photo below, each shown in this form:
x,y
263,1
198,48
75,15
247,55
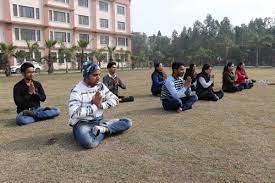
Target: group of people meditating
x,y
90,97
181,90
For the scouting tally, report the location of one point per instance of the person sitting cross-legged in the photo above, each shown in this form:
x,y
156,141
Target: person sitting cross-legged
x,y
176,95
113,82
205,83
158,78
229,79
27,95
242,78
88,99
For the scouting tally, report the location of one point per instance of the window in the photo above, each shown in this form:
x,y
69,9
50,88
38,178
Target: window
x,y
104,40
83,3
60,36
16,31
59,16
28,35
51,35
121,25
84,37
15,10
27,12
121,41
50,15
83,20
104,23
37,13
38,35
63,1
121,10
68,37
103,6
68,18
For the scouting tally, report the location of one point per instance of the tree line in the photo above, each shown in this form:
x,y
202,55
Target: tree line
x,y
211,42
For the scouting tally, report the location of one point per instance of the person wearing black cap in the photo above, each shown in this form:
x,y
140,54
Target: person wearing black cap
x,y
113,82
27,95
88,99
205,83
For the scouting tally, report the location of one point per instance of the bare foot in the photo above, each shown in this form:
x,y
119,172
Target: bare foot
x,y
179,110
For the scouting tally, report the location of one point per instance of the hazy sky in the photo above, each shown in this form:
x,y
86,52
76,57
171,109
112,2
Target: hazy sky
x,y
149,16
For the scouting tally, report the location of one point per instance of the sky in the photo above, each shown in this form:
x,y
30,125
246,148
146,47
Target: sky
x,y
149,16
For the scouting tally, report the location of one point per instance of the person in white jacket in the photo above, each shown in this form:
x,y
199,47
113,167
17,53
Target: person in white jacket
x,y
88,99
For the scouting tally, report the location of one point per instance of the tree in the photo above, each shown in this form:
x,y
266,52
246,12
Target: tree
x,y
50,44
20,56
8,51
67,53
100,57
82,44
111,51
33,48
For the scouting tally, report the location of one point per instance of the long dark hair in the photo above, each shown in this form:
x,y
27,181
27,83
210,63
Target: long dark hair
x,y
225,69
156,65
239,66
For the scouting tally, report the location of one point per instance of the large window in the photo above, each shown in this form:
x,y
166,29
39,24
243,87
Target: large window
x,y
104,23
122,41
25,11
104,40
84,37
83,3
121,25
103,6
60,36
59,16
83,20
27,34
120,10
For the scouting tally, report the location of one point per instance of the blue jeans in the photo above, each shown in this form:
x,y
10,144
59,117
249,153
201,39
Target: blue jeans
x,y
41,113
83,130
173,104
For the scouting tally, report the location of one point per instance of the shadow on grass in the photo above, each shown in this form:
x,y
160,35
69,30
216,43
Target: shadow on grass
x,y
9,123
62,140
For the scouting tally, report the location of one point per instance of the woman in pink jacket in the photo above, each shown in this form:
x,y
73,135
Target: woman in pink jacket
x,y
242,78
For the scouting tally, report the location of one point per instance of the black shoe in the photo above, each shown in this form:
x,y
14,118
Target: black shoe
x,y
28,113
46,109
127,99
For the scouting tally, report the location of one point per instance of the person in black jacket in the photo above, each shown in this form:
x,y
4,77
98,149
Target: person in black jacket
x,y
113,82
205,83
27,95
158,78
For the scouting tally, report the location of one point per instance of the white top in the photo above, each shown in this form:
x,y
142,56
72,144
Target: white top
x,y
81,106
204,83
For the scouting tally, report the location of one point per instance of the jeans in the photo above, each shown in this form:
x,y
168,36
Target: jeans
x,y
87,139
233,89
173,104
40,113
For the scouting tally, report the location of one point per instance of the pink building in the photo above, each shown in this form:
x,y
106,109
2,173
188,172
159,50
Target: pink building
x,y
102,22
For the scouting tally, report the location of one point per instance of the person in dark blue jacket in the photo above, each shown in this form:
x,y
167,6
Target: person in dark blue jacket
x,y
158,78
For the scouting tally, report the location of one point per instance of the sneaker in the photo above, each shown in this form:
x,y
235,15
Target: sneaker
x,y
28,113
99,129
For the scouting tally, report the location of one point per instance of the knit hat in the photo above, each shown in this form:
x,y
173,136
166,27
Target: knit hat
x,y
89,68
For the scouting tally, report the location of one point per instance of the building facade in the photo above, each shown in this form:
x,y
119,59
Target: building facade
x,y
101,22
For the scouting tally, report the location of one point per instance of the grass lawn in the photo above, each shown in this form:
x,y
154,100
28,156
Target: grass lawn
x,y
231,140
